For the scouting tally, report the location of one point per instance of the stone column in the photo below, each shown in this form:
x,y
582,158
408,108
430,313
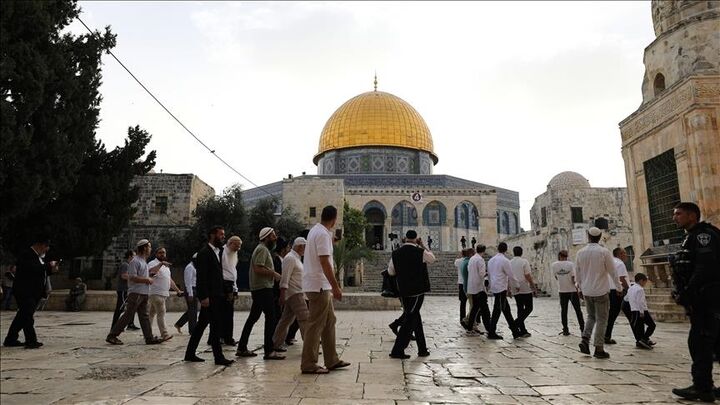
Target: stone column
x,y
703,149
487,219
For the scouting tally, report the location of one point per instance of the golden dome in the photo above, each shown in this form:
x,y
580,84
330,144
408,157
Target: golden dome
x,y
375,118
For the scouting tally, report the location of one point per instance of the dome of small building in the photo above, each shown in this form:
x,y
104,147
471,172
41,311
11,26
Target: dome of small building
x,y
567,180
375,119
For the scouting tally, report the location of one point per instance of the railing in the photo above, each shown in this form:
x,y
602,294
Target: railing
x,y
657,268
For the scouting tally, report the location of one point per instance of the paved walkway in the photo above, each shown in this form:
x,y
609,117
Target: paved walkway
x,y
77,366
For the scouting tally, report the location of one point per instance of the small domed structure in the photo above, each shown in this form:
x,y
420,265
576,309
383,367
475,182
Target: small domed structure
x,y
567,180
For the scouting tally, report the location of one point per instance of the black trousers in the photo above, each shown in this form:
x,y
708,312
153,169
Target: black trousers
x,y
501,305
463,302
704,330
615,307
524,304
639,323
262,303
292,331
479,306
228,319
24,320
210,315
412,322
191,314
574,298
121,297
625,308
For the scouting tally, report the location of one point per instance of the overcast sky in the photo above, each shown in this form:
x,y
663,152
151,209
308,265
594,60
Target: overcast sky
x,y
513,92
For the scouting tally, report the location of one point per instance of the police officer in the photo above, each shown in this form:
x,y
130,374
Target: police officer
x,y
699,258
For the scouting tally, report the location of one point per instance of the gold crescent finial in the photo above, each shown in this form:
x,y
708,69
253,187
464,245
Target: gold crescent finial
x,y
375,82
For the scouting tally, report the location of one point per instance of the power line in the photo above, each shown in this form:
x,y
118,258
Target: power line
x,y
212,151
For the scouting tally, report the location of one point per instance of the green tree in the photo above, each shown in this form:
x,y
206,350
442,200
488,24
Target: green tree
x,y
351,248
54,175
288,225
226,210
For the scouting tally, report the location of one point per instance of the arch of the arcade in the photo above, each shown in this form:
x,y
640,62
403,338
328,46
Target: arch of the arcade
x,y
440,219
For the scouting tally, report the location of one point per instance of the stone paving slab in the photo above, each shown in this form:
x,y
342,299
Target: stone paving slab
x,y
77,366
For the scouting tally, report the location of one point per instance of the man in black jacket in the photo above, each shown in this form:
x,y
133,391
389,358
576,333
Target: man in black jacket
x,y
211,294
29,287
409,265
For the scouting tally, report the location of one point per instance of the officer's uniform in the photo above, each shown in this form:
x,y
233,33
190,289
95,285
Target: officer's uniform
x,y
701,297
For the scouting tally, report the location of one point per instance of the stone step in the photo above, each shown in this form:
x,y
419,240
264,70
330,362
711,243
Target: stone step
x,y
669,316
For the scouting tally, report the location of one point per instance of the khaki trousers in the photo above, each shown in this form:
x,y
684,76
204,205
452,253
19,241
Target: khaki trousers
x,y
157,307
320,325
295,308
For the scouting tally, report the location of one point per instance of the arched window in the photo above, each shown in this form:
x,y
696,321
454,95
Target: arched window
x,y
404,214
659,83
506,223
466,215
434,214
517,223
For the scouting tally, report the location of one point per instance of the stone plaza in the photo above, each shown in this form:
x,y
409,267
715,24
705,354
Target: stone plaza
x,y
76,366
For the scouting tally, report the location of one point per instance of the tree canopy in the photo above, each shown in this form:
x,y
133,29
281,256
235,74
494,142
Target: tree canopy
x,y
55,176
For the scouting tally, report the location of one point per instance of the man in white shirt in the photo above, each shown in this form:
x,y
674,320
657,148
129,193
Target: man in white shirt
x,y
501,281
321,286
595,266
461,288
639,314
189,316
229,269
292,299
524,289
564,272
476,290
618,288
160,291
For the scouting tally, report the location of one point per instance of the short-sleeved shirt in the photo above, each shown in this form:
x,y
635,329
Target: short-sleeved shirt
x,y
161,280
261,257
564,271
620,271
122,284
138,268
521,267
319,243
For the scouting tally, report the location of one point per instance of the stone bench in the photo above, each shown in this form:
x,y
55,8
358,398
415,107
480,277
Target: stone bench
x,y
105,301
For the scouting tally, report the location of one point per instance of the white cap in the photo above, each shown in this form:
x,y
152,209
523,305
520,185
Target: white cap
x,y
299,241
265,232
142,242
594,231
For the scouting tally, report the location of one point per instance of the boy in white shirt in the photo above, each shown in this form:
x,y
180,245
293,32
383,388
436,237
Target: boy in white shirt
x,y
640,317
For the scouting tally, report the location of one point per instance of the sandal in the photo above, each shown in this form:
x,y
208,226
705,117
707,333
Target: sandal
x,y
245,353
316,370
339,364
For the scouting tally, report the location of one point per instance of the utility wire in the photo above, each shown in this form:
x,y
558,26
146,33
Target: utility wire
x,y
212,151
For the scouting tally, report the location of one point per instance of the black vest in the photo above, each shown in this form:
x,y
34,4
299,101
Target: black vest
x,y
412,273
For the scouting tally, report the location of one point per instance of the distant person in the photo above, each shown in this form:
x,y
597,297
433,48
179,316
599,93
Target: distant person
x,y
76,296
463,242
430,242
7,285
524,289
409,265
122,290
640,315
501,282
292,299
262,277
476,290
160,291
190,315
473,242
30,278
210,293
229,267
595,268
618,289
564,272
139,282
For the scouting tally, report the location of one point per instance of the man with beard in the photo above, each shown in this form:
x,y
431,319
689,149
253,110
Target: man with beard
x,y
210,292
262,277
229,267
31,275
292,299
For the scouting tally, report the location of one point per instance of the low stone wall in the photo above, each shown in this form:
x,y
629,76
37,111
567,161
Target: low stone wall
x,y
105,301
